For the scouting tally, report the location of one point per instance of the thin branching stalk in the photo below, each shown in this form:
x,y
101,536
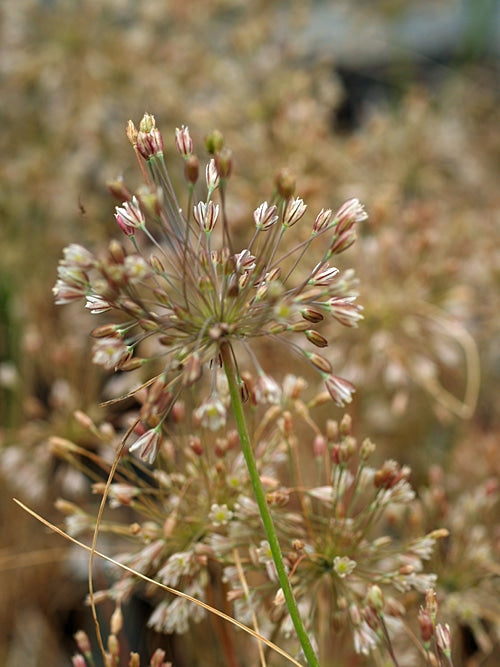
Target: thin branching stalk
x,y
388,642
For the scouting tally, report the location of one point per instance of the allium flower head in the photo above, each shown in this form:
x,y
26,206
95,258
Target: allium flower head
x,y
196,292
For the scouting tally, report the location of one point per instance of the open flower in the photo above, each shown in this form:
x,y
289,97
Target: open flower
x,y
212,413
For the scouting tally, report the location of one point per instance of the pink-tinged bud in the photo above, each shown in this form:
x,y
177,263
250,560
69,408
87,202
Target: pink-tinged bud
x,y
348,214
195,445
336,454
151,144
294,210
491,486
388,475
211,176
265,216
183,141
322,220
178,412
206,215
371,617
64,293
193,370
426,625
97,305
267,390
319,446
345,311
443,638
129,216
191,169
220,448
323,275
316,338
342,242
78,661
149,140
147,446
339,389
244,261
285,183
214,142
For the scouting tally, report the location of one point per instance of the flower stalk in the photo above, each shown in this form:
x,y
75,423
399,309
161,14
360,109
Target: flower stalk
x,y
260,497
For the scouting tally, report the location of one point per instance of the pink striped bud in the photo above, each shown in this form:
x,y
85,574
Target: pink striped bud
x,y
183,141
265,216
294,210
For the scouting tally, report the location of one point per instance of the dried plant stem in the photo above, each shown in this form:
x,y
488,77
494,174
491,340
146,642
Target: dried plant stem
x,y
94,545
159,585
246,446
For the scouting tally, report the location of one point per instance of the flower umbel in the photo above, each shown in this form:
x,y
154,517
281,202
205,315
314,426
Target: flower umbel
x,y
196,293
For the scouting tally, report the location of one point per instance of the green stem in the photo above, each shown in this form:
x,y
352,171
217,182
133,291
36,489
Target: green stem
x,y
260,497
